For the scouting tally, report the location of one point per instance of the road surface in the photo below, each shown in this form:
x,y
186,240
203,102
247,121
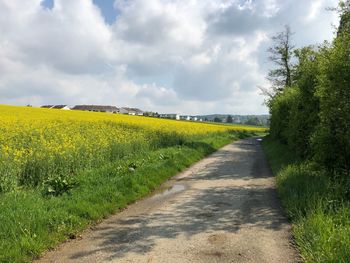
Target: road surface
x,y
222,209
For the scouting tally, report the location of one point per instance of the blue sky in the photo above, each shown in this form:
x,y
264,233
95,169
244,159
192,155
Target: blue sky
x,y
108,12
106,6
48,3
190,57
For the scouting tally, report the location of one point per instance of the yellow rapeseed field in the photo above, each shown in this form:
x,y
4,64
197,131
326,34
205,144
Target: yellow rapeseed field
x,y
38,143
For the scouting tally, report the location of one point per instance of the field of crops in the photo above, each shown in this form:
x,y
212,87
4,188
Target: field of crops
x,y
37,145
62,170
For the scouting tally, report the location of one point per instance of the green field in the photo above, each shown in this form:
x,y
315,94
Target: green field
x,y
62,171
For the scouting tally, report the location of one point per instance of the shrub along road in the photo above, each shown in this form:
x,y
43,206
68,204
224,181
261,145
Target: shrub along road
x,y
222,209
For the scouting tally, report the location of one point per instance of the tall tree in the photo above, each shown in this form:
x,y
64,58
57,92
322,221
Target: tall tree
x,y
332,136
304,113
281,54
344,11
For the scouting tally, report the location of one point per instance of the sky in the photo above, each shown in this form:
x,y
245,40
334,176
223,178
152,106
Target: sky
x,y
169,56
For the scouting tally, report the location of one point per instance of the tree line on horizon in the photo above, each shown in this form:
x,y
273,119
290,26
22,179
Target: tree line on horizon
x,y
309,97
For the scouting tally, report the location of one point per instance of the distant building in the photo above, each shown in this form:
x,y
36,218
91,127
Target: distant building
x,y
61,107
131,111
47,106
151,114
96,108
185,117
57,107
170,116
194,118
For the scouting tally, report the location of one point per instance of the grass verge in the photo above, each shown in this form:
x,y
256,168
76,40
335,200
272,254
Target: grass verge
x,y
316,203
32,222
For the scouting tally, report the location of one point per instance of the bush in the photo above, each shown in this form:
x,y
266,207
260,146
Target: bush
x,y
315,202
304,113
280,109
59,185
332,139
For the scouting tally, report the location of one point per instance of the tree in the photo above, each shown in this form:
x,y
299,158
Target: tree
x,y
280,109
332,137
217,119
344,13
229,119
253,121
281,54
304,113
310,110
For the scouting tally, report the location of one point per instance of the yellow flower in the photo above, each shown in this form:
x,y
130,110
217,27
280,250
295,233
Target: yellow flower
x,y
82,138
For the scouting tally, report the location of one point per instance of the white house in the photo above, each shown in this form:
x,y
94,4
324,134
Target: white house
x,y
61,107
57,107
96,108
170,116
185,117
131,111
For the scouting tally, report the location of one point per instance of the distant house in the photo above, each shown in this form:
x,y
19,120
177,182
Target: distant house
x,y
194,118
185,117
131,111
170,116
61,107
96,108
57,107
151,114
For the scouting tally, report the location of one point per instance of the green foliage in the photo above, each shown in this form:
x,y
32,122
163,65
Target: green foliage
x,y
315,203
332,138
165,139
281,54
305,109
59,185
280,109
312,120
31,222
254,121
294,112
313,116
344,11
8,181
217,119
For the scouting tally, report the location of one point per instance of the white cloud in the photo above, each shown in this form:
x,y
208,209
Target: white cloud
x,y
197,56
157,22
315,9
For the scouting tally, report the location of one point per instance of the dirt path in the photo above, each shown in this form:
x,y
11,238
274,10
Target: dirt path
x,y
222,209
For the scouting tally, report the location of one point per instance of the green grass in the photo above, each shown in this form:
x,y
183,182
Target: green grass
x,y
316,203
33,221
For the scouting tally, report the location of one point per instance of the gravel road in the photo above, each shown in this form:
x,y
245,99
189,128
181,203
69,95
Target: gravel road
x,y
222,209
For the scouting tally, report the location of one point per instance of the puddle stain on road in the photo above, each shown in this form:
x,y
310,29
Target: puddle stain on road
x,y
168,191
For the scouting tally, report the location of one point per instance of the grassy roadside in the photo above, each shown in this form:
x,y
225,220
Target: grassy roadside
x,y
317,205
32,222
